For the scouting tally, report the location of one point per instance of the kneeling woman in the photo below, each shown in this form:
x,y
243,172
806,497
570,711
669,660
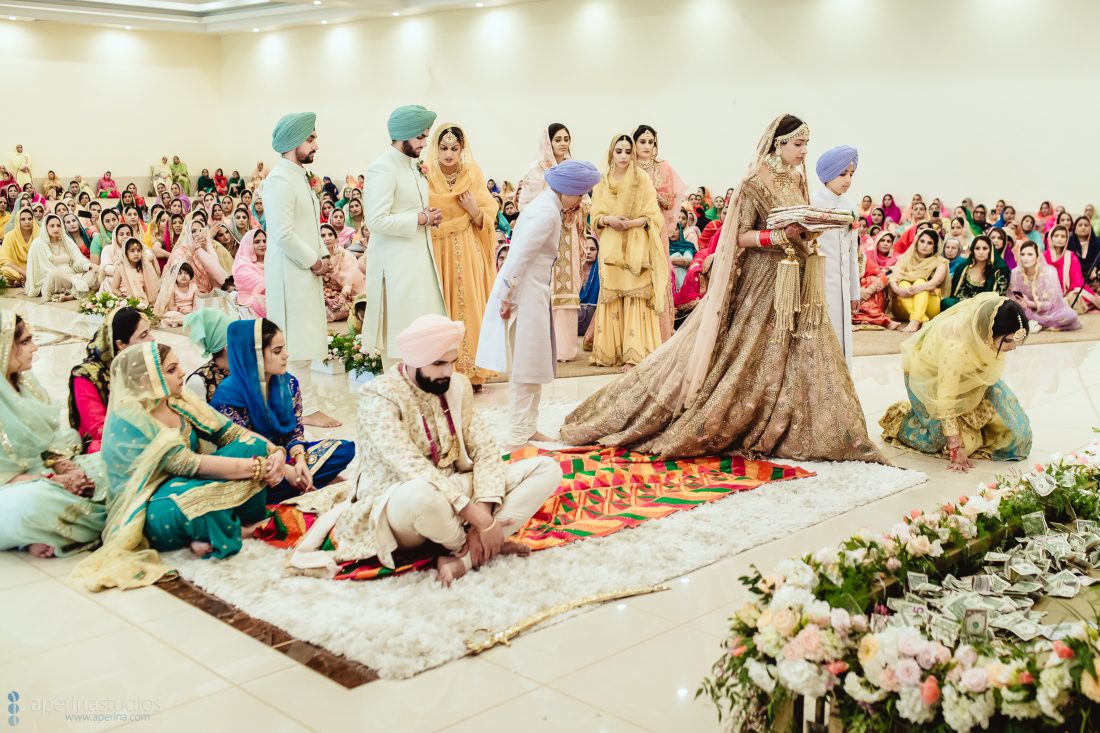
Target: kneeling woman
x,y
43,479
259,395
163,493
958,404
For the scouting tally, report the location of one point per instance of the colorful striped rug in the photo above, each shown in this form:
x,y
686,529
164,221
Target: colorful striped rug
x,y
603,490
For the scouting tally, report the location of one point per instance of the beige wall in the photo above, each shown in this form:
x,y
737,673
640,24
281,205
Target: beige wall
x,y
82,100
948,97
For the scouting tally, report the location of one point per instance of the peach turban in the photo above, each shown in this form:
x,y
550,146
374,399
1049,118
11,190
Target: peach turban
x,y
428,338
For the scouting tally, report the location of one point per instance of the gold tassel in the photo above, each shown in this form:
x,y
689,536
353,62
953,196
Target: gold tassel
x,y
787,293
813,293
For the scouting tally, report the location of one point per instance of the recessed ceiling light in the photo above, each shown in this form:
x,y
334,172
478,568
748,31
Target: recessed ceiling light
x,y
479,5
396,14
128,27
324,22
12,17
255,30
316,2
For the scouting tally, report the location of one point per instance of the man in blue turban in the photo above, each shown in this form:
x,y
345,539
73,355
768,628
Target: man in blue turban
x,y
835,169
296,259
401,274
516,334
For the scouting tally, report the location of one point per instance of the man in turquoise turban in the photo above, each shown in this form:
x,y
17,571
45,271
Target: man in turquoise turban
x,y
296,259
401,274
292,131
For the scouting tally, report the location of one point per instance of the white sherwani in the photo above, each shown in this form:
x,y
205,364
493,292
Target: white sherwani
x,y
525,280
295,298
402,279
841,250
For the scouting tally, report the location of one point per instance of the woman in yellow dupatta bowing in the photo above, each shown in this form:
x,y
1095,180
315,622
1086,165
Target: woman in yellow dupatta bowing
x,y
634,267
464,241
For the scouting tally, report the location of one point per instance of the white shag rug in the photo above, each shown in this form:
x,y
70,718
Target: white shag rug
x,y
403,625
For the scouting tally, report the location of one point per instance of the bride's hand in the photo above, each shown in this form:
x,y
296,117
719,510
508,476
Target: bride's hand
x,y
796,233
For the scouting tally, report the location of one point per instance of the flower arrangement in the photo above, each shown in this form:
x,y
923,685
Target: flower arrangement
x,y
101,303
348,348
815,627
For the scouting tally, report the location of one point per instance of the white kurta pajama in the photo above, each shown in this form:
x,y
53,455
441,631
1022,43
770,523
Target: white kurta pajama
x,y
524,347
402,279
841,250
295,298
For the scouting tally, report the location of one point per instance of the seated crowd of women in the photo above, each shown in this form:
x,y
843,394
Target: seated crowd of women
x,y
176,255
917,263
152,457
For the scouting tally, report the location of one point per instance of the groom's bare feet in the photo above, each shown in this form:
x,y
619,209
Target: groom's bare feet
x,y
320,420
40,550
515,548
450,569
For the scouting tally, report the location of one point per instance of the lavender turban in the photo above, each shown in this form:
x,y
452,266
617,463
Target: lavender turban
x,y
835,161
573,177
428,338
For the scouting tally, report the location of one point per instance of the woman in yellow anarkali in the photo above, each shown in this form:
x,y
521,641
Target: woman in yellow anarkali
x,y
633,263
464,241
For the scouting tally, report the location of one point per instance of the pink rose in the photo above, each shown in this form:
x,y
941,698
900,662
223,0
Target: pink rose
x,y
893,564
807,645
928,656
930,691
919,546
738,651
1026,678
837,668
889,680
966,656
1063,651
908,672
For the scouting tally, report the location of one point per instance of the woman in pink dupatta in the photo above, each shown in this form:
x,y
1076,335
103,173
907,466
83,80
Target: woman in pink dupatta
x,y
670,194
1068,268
1034,285
248,272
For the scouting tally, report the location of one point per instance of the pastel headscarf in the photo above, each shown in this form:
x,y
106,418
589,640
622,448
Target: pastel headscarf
x,y
207,328
835,161
292,130
428,338
409,121
573,177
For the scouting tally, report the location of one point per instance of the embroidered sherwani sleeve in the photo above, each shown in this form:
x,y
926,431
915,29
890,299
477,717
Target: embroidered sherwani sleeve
x,y
484,453
381,424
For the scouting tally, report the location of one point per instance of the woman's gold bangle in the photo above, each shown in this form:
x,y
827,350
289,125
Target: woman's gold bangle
x,y
494,523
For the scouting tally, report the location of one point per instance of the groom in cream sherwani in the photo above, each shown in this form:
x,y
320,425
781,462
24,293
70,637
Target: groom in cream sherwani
x,y
402,279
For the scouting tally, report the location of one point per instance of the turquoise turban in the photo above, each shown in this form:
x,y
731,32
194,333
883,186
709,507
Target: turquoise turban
x,y
573,177
410,121
292,130
835,161
207,328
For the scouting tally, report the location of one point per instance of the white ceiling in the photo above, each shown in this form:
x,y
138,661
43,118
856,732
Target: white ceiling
x,y
221,16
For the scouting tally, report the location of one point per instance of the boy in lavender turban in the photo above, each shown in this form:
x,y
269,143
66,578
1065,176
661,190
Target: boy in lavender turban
x,y
835,169
516,334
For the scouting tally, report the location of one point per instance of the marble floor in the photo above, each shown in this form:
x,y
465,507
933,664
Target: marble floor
x,y
628,666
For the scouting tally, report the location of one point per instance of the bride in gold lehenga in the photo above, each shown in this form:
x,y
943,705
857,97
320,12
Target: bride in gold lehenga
x,y
735,378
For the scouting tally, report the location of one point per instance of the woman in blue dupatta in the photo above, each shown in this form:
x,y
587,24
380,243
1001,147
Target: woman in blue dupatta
x,y
164,493
43,479
260,396
590,291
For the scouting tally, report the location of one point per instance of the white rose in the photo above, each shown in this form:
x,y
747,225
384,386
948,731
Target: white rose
x,y
841,620
974,680
861,691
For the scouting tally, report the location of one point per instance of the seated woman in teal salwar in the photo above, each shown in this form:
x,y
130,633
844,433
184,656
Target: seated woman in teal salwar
x,y
164,493
50,496
260,396
958,405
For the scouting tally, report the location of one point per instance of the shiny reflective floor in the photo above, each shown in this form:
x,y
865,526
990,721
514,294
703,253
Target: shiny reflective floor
x,y
628,666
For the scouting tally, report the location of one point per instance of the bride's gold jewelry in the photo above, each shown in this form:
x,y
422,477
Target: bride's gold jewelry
x,y
452,178
802,129
448,138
